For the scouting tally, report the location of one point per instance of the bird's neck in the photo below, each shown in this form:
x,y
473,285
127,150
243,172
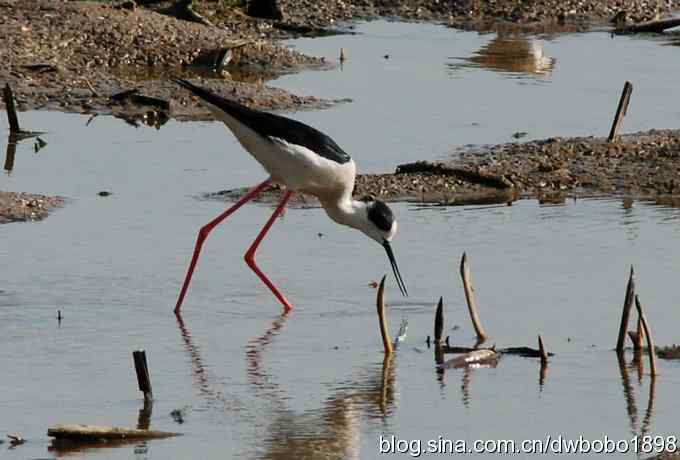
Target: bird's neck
x,y
346,211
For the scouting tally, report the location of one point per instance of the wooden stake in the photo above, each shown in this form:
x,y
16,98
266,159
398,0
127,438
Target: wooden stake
x,y
142,370
470,298
439,322
625,315
650,342
8,99
380,304
541,349
621,111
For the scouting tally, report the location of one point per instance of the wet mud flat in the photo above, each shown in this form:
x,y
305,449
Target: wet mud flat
x,y
639,165
73,56
20,207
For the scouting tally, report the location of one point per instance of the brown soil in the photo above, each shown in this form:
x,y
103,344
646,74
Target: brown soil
x,y
645,164
20,207
642,165
73,56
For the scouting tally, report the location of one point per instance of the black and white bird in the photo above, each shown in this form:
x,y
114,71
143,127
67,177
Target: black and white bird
x,y
302,159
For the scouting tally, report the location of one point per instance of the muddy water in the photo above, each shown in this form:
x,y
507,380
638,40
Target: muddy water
x,y
254,384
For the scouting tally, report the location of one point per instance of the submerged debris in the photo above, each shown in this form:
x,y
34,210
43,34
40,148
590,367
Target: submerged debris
x,y
670,352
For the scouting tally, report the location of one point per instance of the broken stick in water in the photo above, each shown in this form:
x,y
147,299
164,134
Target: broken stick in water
x,y
648,334
142,370
541,350
621,111
380,304
470,298
637,336
625,315
439,323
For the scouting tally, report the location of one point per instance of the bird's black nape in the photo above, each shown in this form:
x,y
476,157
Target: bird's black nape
x,y
381,215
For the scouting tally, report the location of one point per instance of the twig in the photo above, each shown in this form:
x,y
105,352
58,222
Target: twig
x,y
621,111
625,315
380,304
92,90
650,342
470,298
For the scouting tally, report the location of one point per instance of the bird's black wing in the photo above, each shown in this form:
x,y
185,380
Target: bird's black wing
x,y
273,126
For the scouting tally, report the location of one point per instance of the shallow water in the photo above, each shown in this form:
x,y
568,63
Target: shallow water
x,y
254,384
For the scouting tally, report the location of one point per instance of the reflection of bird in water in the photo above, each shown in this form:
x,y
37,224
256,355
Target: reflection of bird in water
x,y
332,431
513,54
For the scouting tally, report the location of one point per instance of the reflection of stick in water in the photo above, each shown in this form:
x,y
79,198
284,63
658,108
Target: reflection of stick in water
x,y
628,393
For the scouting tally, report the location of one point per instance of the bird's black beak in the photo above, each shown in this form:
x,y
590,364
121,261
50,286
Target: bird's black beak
x,y
393,261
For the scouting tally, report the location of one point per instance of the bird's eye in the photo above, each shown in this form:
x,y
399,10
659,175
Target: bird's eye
x,y
368,198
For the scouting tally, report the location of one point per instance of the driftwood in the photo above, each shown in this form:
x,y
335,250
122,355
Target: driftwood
x,y
98,433
475,358
467,175
524,352
654,26
625,315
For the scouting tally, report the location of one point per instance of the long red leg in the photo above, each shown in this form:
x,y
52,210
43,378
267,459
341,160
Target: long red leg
x,y
250,255
205,231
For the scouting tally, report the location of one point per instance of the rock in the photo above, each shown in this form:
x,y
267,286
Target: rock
x,y
266,9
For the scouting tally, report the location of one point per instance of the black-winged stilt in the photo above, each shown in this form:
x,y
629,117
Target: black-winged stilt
x,y
302,159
